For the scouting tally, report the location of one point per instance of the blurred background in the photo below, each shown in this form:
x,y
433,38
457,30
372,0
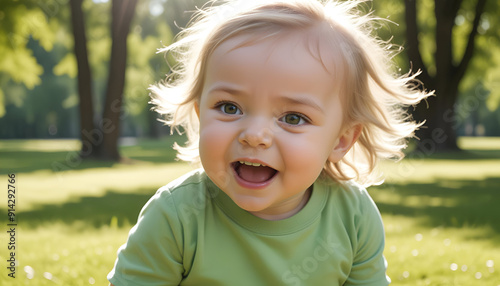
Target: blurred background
x,y
77,130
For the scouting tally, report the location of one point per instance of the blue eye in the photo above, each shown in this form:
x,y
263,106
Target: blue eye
x,y
229,108
293,119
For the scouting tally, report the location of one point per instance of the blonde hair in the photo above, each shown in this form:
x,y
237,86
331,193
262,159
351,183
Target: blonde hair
x,y
372,94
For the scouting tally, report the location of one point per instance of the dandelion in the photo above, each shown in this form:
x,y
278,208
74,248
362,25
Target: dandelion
x,y
454,267
30,272
48,275
478,275
447,242
406,274
414,252
91,280
464,268
490,263
419,237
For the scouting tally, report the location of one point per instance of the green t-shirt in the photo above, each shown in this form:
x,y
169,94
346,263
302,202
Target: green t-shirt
x,y
192,233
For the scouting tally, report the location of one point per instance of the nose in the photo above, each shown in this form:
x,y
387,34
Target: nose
x,y
256,134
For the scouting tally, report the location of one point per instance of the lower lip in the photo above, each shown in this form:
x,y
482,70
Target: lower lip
x,y
251,185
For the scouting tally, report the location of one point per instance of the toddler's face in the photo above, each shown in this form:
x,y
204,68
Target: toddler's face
x,y
269,120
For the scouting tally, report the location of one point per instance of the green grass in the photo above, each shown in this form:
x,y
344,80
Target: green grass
x,y
72,219
440,211
441,214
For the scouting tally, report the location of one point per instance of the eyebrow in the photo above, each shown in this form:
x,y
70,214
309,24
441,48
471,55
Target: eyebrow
x,y
301,99
227,87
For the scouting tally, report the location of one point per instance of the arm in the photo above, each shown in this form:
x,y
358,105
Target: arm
x,y
152,254
369,265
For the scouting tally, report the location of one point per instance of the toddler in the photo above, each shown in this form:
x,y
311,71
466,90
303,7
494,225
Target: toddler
x,y
288,106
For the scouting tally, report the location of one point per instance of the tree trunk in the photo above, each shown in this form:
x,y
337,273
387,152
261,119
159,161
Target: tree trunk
x,y
439,132
122,12
445,12
89,136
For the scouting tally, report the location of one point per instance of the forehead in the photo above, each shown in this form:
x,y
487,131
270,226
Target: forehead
x,y
285,54
298,44
317,48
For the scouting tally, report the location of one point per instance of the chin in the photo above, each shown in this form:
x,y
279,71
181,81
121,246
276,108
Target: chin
x,y
250,204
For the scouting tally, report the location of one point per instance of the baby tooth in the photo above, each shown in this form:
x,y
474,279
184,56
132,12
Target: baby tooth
x,y
251,164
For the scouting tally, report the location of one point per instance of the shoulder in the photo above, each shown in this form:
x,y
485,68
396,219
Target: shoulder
x,y
184,197
189,182
351,205
349,196
358,193
184,188
171,201
168,199
363,224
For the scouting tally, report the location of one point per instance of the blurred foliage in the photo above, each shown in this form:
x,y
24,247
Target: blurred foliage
x,y
38,96
22,23
477,108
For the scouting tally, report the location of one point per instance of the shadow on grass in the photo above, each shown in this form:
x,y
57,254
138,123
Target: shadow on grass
x,y
445,203
30,161
456,204
89,211
463,155
23,160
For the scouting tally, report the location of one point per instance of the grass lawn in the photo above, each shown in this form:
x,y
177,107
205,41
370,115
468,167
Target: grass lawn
x,y
441,211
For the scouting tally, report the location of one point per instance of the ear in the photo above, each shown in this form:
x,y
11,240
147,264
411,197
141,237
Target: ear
x,y
345,142
197,109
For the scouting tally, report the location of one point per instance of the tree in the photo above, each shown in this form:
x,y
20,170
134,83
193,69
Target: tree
x,y
439,111
21,22
100,139
90,148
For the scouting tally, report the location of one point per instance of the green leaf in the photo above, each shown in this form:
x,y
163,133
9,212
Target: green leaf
x,y
67,66
21,66
2,104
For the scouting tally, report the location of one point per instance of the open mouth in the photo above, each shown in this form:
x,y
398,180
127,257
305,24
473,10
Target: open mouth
x,y
253,172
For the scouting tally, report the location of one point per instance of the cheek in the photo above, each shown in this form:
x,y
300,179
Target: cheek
x,y
308,152
214,145
208,142
215,139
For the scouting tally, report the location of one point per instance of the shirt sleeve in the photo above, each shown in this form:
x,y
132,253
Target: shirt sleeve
x,y
369,266
152,254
